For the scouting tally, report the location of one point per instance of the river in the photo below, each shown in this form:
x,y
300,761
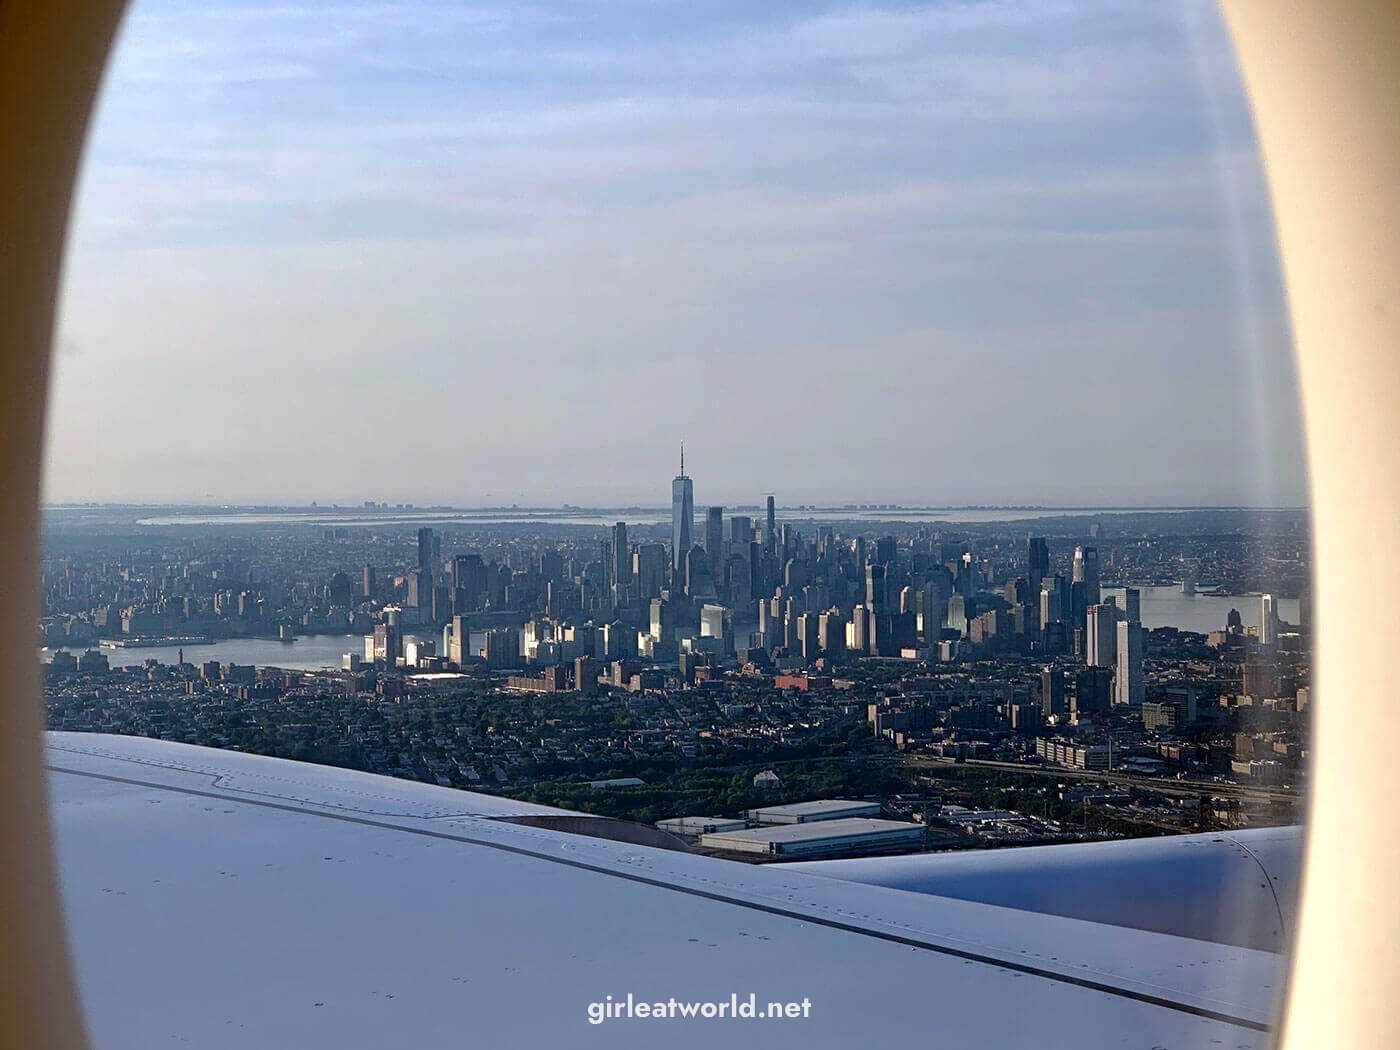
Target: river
x,y
1161,607
314,652
1201,612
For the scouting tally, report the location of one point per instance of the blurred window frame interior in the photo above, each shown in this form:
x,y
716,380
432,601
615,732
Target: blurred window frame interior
x,y
1322,77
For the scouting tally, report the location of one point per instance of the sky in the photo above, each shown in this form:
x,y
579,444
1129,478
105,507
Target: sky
x,y
962,252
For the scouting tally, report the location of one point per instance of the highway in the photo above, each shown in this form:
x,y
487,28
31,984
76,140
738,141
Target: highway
x,y
1165,785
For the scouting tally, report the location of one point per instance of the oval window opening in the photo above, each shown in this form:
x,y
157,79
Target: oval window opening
x,y
604,514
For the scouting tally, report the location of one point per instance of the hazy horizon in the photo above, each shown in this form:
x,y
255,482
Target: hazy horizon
x,y
735,504
944,254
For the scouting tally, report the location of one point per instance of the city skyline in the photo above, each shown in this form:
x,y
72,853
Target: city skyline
x,y
1180,640
729,501
917,253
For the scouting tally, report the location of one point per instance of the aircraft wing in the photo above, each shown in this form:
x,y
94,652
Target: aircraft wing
x,y
219,899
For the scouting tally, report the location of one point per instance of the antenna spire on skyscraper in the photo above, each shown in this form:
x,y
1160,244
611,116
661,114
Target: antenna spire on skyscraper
x,y
682,518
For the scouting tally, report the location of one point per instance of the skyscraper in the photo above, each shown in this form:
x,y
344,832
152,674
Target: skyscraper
x,y
461,649
860,629
649,569
831,634
957,613
502,648
387,645
427,552
682,515
1052,691
1086,571
714,541
468,580
696,574
875,588
621,562
717,621
770,528
441,598
1092,691
1101,636
1132,605
1039,563
1128,684
419,589
808,639
738,579
933,608
1268,620
1054,597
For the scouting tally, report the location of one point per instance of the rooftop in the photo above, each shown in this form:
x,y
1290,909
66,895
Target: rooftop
x,y
818,809
826,829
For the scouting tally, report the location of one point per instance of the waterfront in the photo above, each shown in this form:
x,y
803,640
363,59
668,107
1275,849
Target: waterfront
x,y
305,653
310,652
1161,607
1202,612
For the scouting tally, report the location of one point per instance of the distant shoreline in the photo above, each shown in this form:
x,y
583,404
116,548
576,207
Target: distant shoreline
x,y
567,508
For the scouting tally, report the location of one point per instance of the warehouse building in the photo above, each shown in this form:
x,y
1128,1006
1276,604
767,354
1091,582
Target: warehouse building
x,y
821,809
852,836
700,825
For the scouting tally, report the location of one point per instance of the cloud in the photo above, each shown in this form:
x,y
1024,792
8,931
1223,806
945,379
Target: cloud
x,y
989,238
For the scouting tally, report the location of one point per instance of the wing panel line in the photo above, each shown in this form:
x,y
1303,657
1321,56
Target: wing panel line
x,y
896,938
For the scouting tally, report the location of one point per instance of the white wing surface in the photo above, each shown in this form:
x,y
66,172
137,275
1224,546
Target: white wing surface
x,y
218,899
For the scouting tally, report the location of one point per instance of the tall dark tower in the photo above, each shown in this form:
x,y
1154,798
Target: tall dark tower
x,y
714,541
425,551
1039,567
682,515
876,589
770,528
621,561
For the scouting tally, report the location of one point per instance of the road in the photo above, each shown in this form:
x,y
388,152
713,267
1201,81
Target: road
x,y
1184,788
